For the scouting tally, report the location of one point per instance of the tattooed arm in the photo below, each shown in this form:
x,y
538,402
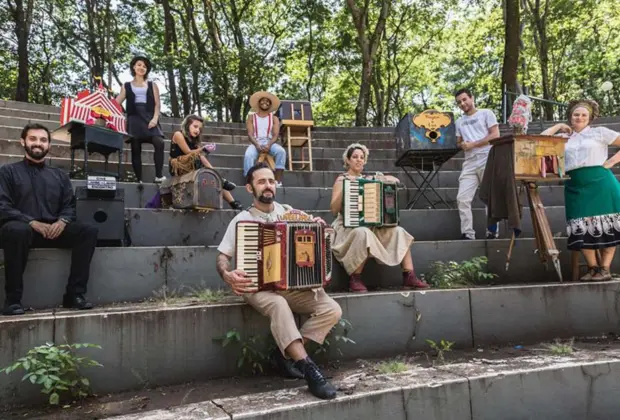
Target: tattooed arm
x,y
237,279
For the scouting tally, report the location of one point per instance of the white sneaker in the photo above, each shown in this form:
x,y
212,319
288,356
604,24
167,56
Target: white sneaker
x,y
279,184
160,180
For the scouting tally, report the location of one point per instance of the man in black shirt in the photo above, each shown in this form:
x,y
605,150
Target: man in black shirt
x,y
37,209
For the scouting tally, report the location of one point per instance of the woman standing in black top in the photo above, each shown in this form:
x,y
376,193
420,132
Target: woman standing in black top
x,y
143,106
187,155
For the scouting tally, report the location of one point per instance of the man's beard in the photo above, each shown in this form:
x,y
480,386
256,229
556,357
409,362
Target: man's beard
x,y
262,198
36,154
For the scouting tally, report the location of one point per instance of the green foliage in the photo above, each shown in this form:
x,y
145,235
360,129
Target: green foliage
x,y
207,295
561,349
447,275
392,366
253,352
339,334
440,348
56,369
216,53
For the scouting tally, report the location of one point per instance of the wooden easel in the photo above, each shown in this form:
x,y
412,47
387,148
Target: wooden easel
x,y
528,151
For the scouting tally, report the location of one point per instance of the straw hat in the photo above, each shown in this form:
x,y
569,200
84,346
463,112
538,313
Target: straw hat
x,y
254,99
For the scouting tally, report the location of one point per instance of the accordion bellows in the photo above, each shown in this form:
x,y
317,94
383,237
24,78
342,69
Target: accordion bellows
x,y
284,255
369,203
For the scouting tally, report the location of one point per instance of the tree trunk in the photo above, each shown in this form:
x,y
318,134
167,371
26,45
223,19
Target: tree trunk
x,y
169,38
542,48
22,17
512,44
368,44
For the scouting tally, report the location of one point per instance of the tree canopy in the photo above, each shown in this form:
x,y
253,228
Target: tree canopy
x,y
358,62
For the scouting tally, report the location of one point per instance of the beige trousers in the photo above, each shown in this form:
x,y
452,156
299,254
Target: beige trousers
x,y
279,306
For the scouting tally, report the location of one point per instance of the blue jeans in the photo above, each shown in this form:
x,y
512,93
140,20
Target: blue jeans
x,y
251,154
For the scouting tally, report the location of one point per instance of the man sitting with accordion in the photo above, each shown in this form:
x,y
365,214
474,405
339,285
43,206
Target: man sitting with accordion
x,y
367,222
282,260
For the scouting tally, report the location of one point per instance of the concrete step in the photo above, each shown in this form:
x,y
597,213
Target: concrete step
x,y
220,135
138,273
501,385
14,147
150,346
181,227
340,133
291,178
60,149
136,196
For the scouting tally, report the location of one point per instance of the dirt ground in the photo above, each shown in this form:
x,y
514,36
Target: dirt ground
x,y
103,406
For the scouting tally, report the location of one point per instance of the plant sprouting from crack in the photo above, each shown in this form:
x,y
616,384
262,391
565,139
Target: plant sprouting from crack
x,y
253,351
561,349
440,348
339,334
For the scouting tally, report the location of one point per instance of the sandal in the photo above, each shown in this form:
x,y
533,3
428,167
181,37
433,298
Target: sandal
x,y
592,271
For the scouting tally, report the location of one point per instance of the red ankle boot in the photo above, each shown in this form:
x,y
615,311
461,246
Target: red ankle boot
x,y
356,285
410,281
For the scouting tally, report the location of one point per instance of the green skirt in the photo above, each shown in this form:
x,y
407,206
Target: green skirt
x,y
592,203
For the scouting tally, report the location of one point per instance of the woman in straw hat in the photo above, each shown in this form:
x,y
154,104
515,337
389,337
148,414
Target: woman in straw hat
x,y
353,246
187,154
592,194
263,128
143,106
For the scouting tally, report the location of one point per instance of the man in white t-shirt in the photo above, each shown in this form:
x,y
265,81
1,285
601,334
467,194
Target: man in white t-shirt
x,y
474,130
323,312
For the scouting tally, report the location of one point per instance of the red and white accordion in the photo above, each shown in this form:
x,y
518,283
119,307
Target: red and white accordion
x,y
284,255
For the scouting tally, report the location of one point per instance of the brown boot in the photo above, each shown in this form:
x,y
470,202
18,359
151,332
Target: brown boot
x,y
602,274
411,281
356,285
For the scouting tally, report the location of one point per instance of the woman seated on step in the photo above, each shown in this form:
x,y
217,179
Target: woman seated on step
x,y
188,154
592,194
353,246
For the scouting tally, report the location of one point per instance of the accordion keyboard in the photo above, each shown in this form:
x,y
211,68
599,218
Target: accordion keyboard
x,y
247,250
352,198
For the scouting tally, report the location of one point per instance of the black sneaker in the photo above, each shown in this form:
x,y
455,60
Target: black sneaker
x,y
235,205
13,309
317,384
76,302
228,186
285,366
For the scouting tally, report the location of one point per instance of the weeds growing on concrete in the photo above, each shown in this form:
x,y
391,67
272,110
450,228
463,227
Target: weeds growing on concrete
x,y
448,275
442,347
561,349
56,369
338,334
166,295
254,351
392,366
207,295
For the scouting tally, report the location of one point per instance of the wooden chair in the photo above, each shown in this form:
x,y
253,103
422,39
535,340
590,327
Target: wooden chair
x,y
296,132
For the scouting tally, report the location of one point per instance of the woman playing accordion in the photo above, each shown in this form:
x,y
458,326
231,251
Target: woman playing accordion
x,y
592,194
353,246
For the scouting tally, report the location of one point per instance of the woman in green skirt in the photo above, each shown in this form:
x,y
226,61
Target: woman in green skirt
x,y
592,194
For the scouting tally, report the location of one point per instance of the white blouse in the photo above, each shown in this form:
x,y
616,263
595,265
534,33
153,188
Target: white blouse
x,y
589,147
